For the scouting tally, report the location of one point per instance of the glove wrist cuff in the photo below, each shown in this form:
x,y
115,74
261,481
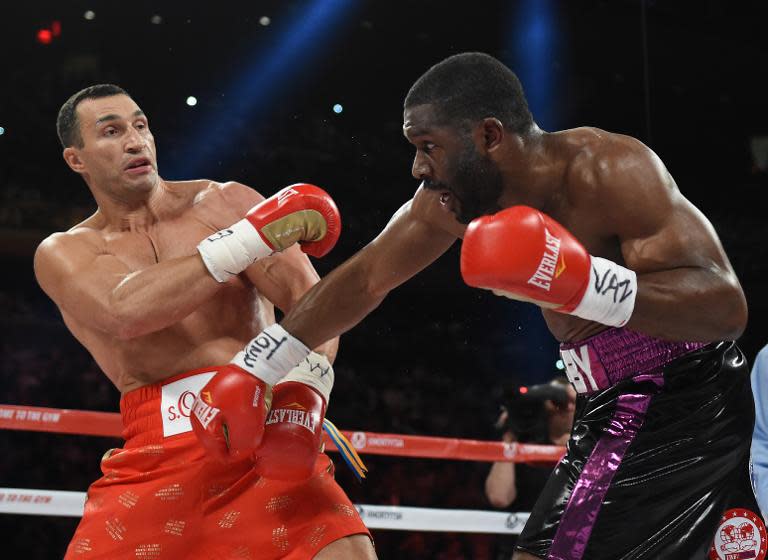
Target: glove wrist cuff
x,y
314,371
229,251
271,355
610,295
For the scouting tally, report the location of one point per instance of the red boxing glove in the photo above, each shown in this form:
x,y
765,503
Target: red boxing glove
x,y
299,213
293,433
525,255
229,412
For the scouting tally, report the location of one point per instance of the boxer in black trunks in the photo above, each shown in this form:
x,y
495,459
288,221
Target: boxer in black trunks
x,y
631,278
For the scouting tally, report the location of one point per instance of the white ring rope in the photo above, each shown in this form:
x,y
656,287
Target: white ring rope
x,y
27,501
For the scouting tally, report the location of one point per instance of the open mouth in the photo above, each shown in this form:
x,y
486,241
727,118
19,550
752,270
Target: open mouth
x,y
139,165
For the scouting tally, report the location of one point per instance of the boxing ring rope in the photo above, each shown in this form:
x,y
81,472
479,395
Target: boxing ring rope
x,y
108,424
27,501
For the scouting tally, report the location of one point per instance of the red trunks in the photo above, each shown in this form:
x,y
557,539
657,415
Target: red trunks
x,y
162,498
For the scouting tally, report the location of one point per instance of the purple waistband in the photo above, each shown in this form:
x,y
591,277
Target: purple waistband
x,y
618,353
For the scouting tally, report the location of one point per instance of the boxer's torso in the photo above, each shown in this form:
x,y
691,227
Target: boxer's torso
x,y
577,206
574,204
212,333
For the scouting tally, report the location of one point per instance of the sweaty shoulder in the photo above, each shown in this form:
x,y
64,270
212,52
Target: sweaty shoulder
x,y
618,178
426,207
88,235
65,252
231,195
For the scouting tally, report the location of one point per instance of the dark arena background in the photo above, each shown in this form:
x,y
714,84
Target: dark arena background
x,y
270,93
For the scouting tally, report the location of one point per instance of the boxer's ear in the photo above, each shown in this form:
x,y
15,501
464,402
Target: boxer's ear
x,y
493,133
73,160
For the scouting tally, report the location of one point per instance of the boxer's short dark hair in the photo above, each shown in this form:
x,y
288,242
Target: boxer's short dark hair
x,y
67,125
467,87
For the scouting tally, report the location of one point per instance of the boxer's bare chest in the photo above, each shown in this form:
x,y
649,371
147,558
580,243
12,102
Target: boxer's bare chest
x,y
165,240
178,236
588,227
220,325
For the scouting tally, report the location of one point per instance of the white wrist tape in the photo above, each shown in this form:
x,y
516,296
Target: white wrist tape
x,y
271,355
316,371
229,251
610,295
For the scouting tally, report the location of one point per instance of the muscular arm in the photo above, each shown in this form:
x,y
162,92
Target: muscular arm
x,y
283,279
687,289
101,291
415,236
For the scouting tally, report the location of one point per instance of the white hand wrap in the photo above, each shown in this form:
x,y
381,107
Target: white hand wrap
x,y
610,295
271,355
229,251
316,371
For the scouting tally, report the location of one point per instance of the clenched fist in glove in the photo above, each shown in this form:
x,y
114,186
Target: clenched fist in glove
x,y
229,413
524,254
294,428
299,213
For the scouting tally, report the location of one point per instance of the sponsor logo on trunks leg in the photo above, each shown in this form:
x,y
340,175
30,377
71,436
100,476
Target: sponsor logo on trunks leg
x,y
740,536
183,406
178,399
578,368
297,415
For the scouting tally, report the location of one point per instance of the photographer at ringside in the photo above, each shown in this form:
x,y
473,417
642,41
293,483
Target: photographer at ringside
x,y
541,414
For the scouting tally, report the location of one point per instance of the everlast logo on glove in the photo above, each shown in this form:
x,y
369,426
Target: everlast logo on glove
x,y
548,268
284,195
204,412
298,416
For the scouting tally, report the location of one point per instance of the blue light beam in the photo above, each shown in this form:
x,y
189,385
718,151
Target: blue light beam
x,y
534,41
533,45
258,83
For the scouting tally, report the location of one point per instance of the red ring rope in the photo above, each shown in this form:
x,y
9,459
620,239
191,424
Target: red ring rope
x,y
109,424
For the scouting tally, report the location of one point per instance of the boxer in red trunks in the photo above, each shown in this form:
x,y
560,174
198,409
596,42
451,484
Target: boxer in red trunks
x,y
164,285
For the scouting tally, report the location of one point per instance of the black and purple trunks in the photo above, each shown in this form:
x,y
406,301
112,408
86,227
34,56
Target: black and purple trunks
x,y
659,451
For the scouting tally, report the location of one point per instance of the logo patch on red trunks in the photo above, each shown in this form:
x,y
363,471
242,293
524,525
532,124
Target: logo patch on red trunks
x,y
740,536
177,400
